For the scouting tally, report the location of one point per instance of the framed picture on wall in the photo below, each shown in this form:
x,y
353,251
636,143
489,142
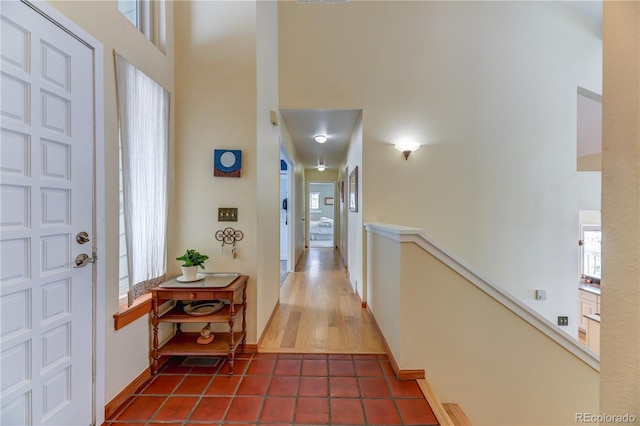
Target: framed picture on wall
x,y
227,162
353,190
328,201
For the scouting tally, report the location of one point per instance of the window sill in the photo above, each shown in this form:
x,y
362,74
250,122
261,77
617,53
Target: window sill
x,y
127,315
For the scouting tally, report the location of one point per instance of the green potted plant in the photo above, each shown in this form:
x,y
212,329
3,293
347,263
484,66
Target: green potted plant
x,y
191,260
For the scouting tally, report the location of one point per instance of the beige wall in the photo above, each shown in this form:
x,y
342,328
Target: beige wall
x,y
620,327
480,342
127,350
384,290
492,97
590,163
268,164
475,351
226,86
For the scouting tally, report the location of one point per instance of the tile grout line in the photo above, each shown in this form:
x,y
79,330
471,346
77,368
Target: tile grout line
x,y
393,397
266,390
171,394
204,393
355,361
364,411
166,397
297,395
235,395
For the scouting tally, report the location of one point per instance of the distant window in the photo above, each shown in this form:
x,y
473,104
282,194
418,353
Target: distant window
x,y
314,201
589,131
591,248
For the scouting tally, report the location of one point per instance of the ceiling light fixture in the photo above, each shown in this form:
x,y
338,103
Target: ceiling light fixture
x,y
321,166
406,147
320,138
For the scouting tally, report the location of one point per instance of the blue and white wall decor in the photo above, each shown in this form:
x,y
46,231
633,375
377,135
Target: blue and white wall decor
x,y
227,162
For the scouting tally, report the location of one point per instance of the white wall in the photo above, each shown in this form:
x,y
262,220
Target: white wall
x,y
490,89
589,217
589,131
620,327
128,349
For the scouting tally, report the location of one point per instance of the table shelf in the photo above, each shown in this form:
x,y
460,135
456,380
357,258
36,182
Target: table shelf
x,y
184,344
177,315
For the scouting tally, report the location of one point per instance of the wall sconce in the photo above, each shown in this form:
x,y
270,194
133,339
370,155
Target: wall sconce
x,y
407,147
320,138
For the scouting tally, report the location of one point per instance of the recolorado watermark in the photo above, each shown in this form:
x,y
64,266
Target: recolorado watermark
x,y
605,418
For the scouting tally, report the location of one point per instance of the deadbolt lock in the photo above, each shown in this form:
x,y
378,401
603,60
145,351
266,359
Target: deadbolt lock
x,y
82,237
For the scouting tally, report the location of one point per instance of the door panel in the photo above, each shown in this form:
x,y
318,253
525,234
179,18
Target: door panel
x,y
46,195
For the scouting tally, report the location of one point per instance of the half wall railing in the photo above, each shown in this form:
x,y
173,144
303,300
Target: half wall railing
x,y
478,345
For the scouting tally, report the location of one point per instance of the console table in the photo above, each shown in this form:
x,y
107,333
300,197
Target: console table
x,y
184,343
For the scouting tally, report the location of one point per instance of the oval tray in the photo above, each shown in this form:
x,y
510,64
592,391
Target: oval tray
x,y
202,309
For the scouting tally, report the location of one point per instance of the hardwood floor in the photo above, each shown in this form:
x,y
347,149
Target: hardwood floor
x,y
319,312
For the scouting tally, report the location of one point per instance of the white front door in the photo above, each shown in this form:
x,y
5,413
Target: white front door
x,y
46,170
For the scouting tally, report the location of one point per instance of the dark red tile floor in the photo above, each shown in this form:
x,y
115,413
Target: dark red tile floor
x,y
278,389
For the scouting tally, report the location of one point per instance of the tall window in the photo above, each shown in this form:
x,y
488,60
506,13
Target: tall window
x,y
131,10
591,249
314,201
122,242
148,17
143,112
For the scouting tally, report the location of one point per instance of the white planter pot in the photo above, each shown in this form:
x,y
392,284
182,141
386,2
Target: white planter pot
x,y
189,273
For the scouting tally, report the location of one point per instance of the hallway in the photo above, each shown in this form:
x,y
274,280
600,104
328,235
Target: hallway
x,y
319,312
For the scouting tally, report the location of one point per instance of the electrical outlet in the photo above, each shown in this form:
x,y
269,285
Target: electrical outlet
x,y
563,321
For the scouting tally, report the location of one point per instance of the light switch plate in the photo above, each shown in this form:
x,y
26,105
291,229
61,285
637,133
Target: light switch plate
x,y
227,214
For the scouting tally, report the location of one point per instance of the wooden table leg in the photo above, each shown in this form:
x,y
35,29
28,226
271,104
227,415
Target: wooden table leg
x,y
154,350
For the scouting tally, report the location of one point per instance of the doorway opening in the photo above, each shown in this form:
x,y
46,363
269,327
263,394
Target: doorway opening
x,y
321,214
284,219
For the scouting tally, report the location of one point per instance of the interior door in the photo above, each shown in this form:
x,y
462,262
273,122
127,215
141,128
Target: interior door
x,y
46,170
